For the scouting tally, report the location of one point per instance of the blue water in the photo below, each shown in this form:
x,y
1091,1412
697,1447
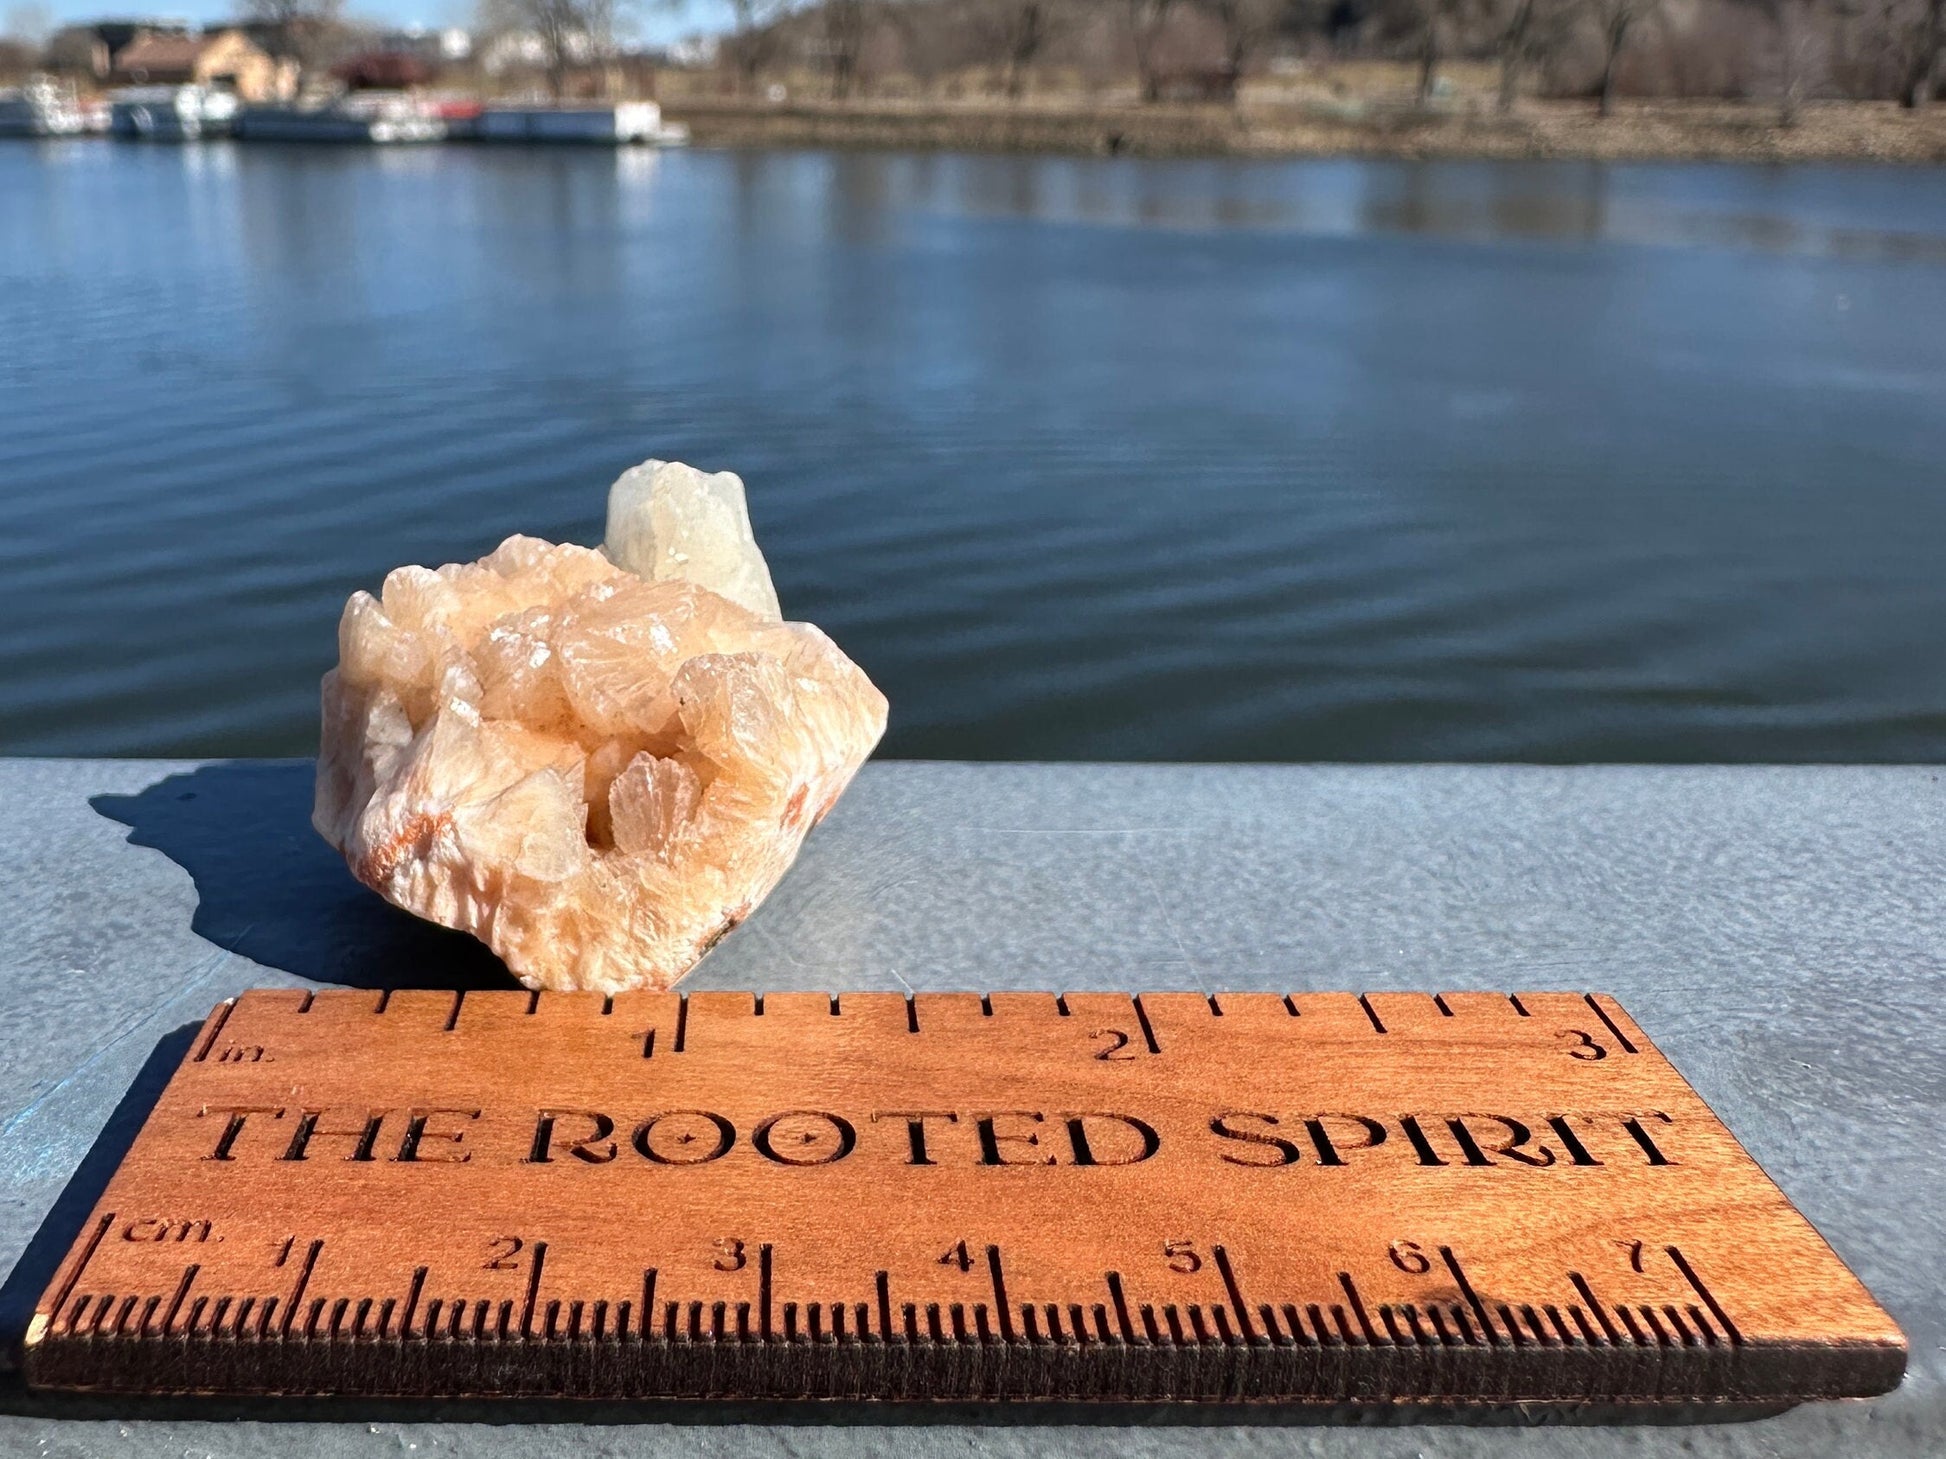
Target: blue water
x,y
1079,458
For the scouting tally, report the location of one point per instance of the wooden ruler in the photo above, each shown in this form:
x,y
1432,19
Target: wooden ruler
x,y
1471,1198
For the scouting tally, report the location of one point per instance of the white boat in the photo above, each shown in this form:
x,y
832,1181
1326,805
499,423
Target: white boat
x,y
366,116
170,113
610,124
41,108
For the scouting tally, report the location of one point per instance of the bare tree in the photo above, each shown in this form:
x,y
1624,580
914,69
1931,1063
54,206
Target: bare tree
x,y
1797,24
295,30
844,38
1526,33
1617,20
571,33
1922,72
1247,24
1145,21
1513,42
752,42
1016,32
1428,47
1430,24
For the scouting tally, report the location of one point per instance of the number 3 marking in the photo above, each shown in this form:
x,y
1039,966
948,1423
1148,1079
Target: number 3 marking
x,y
1586,1050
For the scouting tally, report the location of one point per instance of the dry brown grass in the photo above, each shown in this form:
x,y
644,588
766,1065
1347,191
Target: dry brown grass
x,y
1366,123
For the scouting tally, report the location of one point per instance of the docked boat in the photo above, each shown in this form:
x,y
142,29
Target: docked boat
x,y
41,108
610,124
366,116
170,113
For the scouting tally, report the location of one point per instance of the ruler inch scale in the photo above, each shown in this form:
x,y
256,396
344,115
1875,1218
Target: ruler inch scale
x,y
1387,1198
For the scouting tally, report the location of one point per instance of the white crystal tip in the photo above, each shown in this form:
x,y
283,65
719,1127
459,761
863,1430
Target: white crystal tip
x,y
668,521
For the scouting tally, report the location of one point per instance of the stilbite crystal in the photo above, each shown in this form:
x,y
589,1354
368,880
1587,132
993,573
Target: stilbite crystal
x,y
597,771
667,520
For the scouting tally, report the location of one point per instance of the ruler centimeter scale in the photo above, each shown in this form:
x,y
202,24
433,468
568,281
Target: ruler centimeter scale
x,y
1323,1197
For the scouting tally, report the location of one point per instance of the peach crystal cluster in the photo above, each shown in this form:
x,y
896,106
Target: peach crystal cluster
x,y
597,762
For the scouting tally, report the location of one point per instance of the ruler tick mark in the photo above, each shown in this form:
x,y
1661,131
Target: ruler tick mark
x,y
1120,1299
1148,1033
1005,1312
1358,1307
412,1301
1512,1327
1602,1013
303,1281
1595,1307
1709,1300
216,1021
73,1278
763,1290
1366,1004
1472,1297
1236,1293
181,1293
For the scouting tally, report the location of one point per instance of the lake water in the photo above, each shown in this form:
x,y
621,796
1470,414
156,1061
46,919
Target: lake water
x,y
1079,458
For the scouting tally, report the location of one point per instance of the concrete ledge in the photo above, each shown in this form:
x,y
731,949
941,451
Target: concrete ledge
x,y
1781,932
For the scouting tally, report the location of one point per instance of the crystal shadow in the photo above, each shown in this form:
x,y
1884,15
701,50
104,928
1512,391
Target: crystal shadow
x,y
269,889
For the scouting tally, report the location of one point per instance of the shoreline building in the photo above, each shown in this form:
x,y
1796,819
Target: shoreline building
x,y
121,53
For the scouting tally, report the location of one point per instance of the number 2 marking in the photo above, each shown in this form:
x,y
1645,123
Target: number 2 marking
x,y
502,1261
1111,1052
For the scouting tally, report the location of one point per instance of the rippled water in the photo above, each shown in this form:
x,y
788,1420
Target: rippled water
x,y
1110,458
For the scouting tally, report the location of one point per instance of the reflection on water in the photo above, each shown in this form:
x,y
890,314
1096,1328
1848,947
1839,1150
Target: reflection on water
x,y
1717,207
1079,457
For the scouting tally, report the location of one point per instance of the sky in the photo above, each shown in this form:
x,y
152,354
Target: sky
x,y
655,24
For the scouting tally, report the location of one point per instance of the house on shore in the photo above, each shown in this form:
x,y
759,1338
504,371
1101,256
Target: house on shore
x,y
118,53
224,60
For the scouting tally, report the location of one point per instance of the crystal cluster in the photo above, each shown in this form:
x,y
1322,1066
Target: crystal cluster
x,y
597,762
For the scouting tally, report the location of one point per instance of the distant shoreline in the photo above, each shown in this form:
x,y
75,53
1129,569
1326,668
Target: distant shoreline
x,y
1645,132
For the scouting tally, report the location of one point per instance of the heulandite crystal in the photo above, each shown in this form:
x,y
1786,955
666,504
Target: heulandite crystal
x,y
597,762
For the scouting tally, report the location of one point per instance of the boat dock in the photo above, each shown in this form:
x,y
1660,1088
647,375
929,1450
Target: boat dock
x,y
188,113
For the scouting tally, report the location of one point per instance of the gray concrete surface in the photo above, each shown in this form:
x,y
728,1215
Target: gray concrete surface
x,y
1780,932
